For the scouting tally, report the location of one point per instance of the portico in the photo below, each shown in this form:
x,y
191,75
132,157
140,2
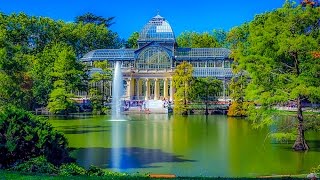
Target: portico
x,y
149,88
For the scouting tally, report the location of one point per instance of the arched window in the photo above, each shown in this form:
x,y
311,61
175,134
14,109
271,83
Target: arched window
x,y
153,58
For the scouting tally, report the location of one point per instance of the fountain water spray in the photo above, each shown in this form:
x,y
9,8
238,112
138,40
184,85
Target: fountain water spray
x,y
117,92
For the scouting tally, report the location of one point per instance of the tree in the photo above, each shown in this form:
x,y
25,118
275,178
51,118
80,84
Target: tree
x,y
67,77
221,36
278,58
197,40
94,19
205,90
103,77
237,38
182,79
133,41
28,54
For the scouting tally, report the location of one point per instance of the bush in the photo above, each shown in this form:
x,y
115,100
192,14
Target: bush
x,y
238,109
24,136
36,165
95,171
71,169
316,169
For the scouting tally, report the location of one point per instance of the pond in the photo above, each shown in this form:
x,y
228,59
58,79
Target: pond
x,y
185,146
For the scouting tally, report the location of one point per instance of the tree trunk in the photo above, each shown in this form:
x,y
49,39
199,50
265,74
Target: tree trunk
x,y
207,112
300,144
207,98
185,111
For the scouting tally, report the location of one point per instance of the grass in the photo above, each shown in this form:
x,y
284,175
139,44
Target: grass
x,y
8,175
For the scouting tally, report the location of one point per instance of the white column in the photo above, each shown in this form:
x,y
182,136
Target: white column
x,y
147,89
128,88
137,88
130,85
171,90
165,88
156,89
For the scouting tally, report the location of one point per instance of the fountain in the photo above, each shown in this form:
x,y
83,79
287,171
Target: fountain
x,y
117,127
117,92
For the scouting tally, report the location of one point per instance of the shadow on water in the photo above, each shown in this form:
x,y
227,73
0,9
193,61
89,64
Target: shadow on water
x,y
130,157
83,129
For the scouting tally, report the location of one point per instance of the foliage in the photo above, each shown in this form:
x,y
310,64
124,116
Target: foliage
x,y
24,136
94,19
61,102
277,56
133,41
197,40
71,169
15,81
36,165
29,49
95,171
237,109
316,169
205,90
67,76
182,79
97,94
237,38
221,36
238,86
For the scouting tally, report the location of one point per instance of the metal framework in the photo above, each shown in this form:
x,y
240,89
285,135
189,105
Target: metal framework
x,y
157,29
157,52
201,53
109,54
153,57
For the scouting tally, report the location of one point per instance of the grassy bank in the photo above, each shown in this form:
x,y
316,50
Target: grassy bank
x,y
8,175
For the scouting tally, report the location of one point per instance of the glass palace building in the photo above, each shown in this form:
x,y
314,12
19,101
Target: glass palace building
x,y
147,70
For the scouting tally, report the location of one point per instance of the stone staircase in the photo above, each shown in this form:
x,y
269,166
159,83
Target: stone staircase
x,y
150,107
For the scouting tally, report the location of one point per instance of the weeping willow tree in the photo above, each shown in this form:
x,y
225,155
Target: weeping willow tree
x,y
277,55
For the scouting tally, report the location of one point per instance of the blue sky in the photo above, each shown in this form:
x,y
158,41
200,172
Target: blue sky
x,y
191,15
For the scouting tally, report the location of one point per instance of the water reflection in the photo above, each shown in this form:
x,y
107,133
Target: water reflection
x,y
185,146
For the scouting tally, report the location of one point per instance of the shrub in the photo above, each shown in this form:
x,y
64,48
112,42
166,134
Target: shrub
x,y
36,165
24,136
316,169
71,169
238,109
95,171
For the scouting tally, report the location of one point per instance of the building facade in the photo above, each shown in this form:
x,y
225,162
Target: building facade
x,y
148,70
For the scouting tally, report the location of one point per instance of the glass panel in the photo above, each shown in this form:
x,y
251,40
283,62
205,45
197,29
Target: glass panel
x,y
153,58
218,63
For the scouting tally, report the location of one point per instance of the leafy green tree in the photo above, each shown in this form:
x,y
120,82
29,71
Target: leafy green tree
x,y
94,19
67,77
182,79
15,82
277,56
28,54
197,40
103,77
221,36
206,90
237,39
133,41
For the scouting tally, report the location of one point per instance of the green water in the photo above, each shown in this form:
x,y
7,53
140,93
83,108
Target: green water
x,y
185,146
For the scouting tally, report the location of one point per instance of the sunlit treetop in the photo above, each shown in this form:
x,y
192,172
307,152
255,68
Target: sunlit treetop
x,y
313,3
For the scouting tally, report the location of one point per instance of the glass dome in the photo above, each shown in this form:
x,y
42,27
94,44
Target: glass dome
x,y
157,29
